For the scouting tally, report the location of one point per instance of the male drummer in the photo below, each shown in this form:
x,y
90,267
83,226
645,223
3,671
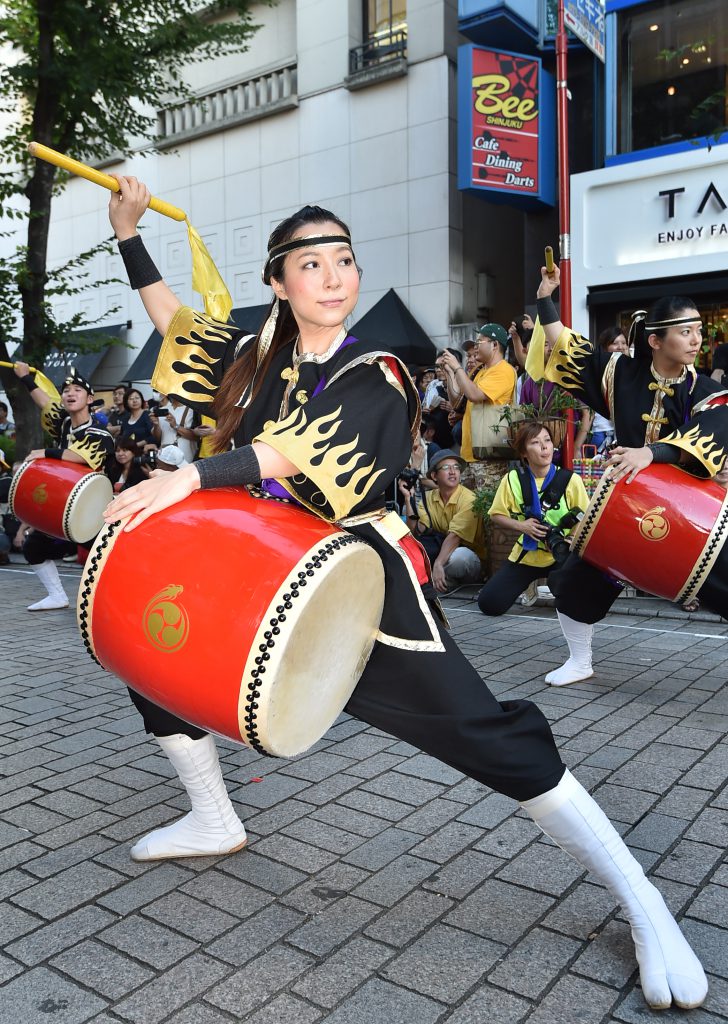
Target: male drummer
x,y
79,439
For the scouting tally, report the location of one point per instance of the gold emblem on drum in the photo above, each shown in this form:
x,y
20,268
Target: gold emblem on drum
x,y
40,494
654,525
165,621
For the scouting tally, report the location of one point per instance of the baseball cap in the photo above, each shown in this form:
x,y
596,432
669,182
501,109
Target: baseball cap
x,y
496,333
172,456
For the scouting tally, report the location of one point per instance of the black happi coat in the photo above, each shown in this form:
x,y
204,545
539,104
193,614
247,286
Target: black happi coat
x,y
89,441
350,439
688,412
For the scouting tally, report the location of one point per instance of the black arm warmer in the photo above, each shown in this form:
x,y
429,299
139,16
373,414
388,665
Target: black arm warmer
x,y
28,382
547,313
230,469
664,452
139,264
53,453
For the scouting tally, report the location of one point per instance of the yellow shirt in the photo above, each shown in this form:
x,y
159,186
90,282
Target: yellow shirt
x,y
498,384
505,504
455,517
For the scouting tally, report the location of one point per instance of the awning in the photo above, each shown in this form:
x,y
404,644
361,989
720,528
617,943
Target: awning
x,y
248,318
59,362
391,324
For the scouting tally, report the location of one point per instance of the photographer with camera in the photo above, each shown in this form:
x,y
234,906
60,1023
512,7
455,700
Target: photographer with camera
x,y
444,523
541,503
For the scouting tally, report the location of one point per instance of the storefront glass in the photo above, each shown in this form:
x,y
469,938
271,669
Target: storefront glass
x,y
673,61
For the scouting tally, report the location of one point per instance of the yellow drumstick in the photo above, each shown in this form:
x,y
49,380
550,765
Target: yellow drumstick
x,y
105,180
549,258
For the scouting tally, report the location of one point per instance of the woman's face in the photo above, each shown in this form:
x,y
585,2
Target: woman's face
x,y
123,456
619,345
321,283
540,449
135,401
682,342
471,359
427,378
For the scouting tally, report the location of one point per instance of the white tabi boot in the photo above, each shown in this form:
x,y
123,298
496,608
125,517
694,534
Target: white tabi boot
x,y
669,970
212,826
578,636
57,597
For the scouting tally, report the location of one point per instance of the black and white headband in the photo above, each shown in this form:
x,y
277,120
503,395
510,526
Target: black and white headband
x,y
677,321
278,251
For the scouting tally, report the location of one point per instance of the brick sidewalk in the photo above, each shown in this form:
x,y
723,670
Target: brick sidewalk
x,y
379,884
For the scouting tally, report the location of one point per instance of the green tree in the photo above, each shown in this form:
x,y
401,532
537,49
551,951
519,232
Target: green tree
x,y
85,77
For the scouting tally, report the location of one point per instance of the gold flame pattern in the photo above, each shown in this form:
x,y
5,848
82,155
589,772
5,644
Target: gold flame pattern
x,y
703,447
190,363
92,447
567,359
342,473
51,418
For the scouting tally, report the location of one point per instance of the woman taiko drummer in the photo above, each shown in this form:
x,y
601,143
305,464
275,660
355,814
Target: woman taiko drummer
x,y
301,389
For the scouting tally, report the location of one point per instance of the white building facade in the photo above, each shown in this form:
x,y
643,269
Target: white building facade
x,y
324,108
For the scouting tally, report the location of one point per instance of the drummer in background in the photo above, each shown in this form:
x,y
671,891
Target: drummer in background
x,y
662,411
328,420
77,439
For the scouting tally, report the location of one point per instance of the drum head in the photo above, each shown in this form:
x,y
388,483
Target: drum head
x,y
84,513
319,652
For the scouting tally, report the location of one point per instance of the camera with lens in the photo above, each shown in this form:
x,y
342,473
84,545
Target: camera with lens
x,y
147,459
556,540
409,477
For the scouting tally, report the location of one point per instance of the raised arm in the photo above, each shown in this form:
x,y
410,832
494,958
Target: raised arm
x,y
550,320
126,208
41,399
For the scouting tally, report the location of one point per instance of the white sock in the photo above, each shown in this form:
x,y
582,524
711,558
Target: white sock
x,y
669,969
47,573
578,636
212,827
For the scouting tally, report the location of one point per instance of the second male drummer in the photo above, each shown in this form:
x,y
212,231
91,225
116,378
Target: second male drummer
x,y
78,438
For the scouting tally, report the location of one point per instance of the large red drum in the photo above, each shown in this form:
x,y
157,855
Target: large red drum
x,y
662,533
245,616
63,499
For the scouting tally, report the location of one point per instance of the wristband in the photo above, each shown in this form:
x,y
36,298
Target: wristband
x,y
53,453
662,452
547,312
230,469
140,266
28,382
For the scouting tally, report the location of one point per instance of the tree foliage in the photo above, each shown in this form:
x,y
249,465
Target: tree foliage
x,y
85,77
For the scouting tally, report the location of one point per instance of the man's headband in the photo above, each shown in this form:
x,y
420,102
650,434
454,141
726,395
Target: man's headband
x,y
74,377
278,251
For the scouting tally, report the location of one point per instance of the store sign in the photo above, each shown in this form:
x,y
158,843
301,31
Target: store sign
x,y
506,126
585,18
682,214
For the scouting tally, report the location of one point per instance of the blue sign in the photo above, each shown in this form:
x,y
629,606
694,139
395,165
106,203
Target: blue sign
x,y
585,18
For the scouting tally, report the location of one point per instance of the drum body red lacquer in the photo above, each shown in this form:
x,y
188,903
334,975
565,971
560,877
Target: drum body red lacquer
x,y
662,533
243,615
61,498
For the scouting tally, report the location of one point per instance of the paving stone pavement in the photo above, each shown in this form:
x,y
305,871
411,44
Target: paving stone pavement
x,y
379,885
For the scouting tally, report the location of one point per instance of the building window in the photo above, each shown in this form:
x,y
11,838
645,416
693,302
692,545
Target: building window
x,y
673,61
385,34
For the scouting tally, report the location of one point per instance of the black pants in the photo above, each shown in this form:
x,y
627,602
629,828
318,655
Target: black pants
x,y
507,583
39,547
586,594
439,703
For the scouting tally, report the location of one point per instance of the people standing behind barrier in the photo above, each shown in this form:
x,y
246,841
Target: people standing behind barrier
x,y
494,382
115,412
445,524
136,422
612,340
540,502
436,402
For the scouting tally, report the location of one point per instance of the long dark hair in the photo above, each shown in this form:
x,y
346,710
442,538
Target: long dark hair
x,y
239,376
667,308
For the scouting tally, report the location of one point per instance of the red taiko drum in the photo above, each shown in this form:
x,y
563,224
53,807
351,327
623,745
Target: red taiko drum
x,y
63,499
245,616
662,533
